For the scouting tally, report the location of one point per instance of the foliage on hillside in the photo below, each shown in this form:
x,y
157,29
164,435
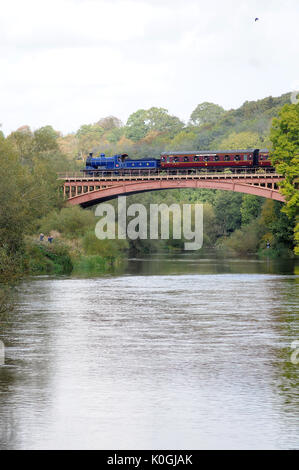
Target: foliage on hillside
x,y
149,132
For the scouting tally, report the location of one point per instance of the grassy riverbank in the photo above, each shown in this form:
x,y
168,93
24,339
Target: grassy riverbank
x,y
60,257
46,258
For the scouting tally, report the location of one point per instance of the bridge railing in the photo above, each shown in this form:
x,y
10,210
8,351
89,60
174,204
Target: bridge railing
x,y
165,174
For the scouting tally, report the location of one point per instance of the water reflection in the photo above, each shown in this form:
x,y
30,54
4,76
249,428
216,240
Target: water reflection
x,y
193,263
189,263
175,354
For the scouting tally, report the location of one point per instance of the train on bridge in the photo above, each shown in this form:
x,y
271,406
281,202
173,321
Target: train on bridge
x,y
170,161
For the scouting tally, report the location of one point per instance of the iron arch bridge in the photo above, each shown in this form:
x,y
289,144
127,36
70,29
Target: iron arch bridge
x,y
89,190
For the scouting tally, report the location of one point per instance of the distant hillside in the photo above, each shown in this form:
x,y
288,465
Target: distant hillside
x,y
148,132
253,116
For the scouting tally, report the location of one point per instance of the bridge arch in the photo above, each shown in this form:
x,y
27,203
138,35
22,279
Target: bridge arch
x,y
123,188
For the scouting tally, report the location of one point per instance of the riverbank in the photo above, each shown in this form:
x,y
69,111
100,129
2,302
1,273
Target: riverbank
x,y
61,257
56,260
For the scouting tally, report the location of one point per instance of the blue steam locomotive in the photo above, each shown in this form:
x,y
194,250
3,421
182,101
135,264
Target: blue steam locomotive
x,y
102,164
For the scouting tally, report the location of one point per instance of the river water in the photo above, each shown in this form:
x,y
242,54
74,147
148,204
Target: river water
x,y
169,353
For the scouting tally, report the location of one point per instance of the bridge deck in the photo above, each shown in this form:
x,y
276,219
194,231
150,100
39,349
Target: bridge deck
x,y
76,177
89,190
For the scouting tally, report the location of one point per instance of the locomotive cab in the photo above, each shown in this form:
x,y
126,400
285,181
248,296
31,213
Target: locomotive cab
x,y
122,157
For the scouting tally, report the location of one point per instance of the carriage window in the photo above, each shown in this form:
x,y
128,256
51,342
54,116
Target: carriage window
x,y
226,158
216,158
245,158
176,159
163,159
261,157
168,159
196,158
206,159
186,159
237,158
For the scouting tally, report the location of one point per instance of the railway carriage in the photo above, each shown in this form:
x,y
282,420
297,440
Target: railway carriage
x,y
264,158
218,159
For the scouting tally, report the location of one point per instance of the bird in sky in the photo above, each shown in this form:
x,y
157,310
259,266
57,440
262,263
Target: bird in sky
x,y
256,19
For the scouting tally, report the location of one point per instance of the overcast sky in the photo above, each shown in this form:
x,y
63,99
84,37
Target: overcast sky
x,y
69,62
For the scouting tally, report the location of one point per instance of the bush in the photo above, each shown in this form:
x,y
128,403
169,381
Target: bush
x,y
90,264
109,249
71,222
243,241
48,259
11,265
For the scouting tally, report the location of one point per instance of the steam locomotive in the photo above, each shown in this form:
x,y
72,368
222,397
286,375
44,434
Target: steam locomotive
x,y
169,161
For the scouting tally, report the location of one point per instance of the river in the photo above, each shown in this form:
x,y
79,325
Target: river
x,y
170,352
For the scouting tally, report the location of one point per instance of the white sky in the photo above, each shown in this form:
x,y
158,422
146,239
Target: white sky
x,y
70,62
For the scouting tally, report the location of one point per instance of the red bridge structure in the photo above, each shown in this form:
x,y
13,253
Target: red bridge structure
x,y
89,190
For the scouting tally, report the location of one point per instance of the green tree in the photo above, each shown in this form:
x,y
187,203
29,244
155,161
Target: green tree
x,y
89,137
250,208
244,240
136,127
241,140
296,238
227,211
285,156
22,140
27,193
45,140
105,248
282,229
71,222
159,120
184,140
143,121
114,135
275,227
109,122
206,112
